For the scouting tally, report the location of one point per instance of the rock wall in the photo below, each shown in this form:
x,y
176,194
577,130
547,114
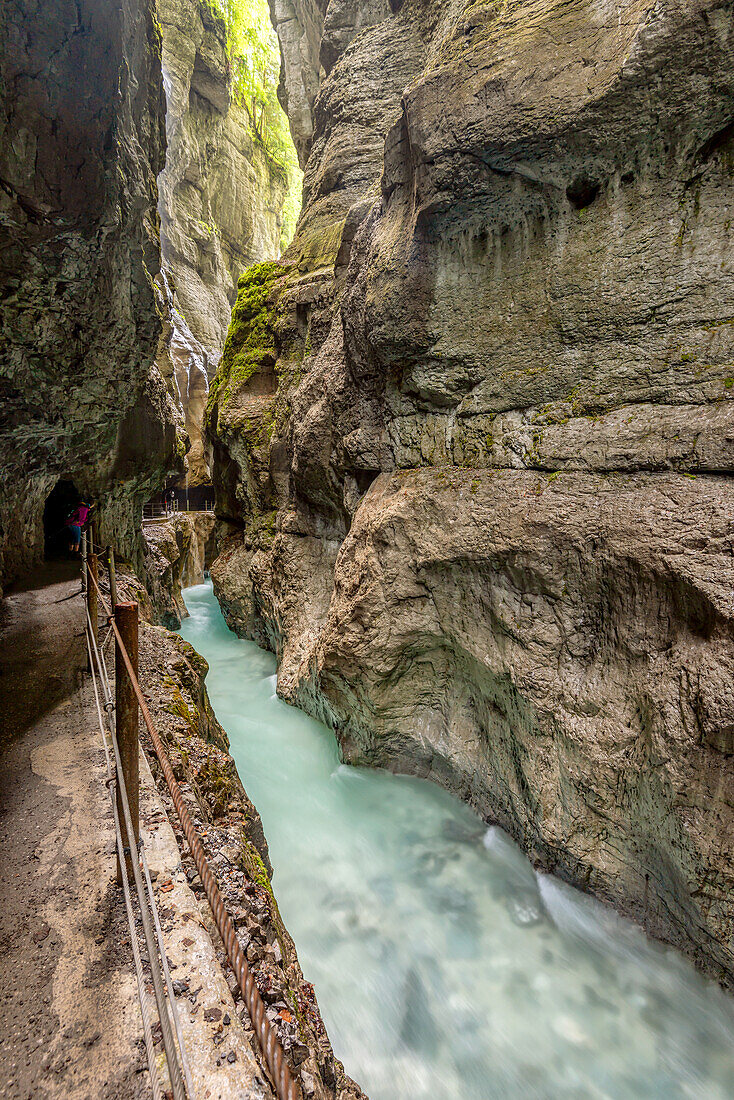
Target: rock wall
x,y
473,438
81,142
178,550
221,202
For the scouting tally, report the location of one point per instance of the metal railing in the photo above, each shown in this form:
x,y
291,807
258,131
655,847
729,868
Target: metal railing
x,y
129,861
154,510
126,753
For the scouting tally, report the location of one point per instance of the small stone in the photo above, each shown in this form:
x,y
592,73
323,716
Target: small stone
x,y
307,1082
298,1052
231,1057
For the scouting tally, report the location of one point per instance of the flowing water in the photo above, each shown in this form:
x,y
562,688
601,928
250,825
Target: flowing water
x,y
444,966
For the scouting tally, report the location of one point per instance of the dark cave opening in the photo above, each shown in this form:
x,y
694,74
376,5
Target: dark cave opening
x,y
582,192
364,479
59,503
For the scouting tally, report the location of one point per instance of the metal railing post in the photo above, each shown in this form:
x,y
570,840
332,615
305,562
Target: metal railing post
x,y
113,576
92,605
84,561
126,721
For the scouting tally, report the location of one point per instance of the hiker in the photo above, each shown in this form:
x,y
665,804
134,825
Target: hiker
x,y
75,521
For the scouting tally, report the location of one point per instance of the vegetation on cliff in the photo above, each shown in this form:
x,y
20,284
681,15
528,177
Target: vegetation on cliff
x,y
250,342
254,57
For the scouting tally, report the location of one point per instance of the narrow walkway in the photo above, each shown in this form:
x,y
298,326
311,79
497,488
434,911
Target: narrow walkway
x,y
71,1021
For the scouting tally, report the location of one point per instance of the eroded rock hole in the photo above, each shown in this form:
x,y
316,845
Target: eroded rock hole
x,y
582,192
364,479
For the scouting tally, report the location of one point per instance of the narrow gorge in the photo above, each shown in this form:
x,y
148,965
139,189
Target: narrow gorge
x,y
475,433
411,323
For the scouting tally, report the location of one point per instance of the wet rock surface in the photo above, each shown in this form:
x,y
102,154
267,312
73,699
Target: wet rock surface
x,y
582,672
178,550
514,260
81,119
221,202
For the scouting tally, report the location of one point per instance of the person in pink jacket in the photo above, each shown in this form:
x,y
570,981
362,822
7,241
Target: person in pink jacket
x,y
75,522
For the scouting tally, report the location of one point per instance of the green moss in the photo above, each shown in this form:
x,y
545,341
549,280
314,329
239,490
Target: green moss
x,y
217,784
257,869
250,344
179,707
319,248
728,383
267,525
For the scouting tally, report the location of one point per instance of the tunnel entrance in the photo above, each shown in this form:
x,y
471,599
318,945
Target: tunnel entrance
x,y
60,501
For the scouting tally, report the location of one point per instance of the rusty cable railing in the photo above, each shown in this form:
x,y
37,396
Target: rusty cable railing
x,y
285,1085
118,780
117,785
139,975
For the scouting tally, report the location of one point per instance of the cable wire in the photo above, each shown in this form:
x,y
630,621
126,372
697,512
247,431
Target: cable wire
x,y
104,676
167,975
274,1055
142,996
169,1047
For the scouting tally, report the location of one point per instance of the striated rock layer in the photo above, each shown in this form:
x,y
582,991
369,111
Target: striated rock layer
x,y
81,143
473,437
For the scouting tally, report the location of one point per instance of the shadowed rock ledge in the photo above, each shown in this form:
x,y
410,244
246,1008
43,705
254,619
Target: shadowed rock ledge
x,y
473,438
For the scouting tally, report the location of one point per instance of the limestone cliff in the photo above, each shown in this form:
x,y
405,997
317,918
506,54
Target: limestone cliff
x,y
474,437
221,201
81,143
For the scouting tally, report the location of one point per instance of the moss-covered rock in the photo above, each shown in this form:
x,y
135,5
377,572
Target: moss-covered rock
x,y
250,346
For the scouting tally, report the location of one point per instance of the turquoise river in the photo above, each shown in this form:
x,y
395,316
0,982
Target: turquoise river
x,y
444,965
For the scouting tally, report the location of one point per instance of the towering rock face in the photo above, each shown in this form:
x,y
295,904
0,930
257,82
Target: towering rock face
x,y
474,437
221,202
81,142
300,29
